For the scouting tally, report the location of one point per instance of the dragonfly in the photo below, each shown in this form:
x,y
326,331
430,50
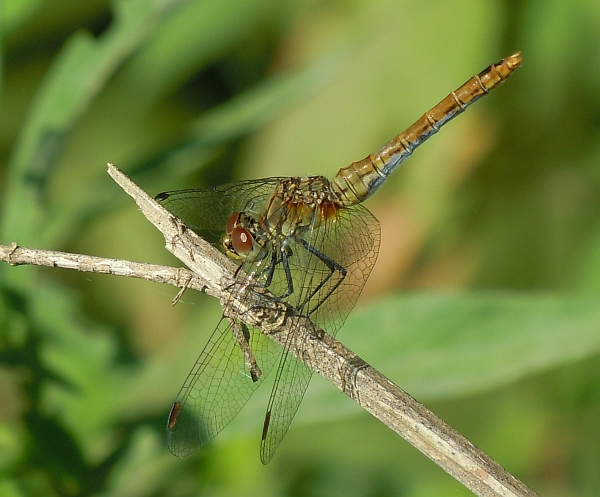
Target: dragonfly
x,y
312,244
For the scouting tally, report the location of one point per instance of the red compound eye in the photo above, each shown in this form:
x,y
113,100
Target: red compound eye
x,y
231,222
242,241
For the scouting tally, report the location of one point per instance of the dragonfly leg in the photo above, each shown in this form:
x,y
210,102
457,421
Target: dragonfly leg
x,y
288,274
332,266
242,335
270,270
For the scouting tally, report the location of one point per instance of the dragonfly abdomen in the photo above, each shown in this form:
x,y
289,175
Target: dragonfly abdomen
x,y
360,180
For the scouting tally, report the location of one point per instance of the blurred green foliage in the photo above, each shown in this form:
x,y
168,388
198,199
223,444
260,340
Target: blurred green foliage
x,y
484,301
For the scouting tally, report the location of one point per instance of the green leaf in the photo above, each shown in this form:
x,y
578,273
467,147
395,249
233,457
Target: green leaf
x,y
16,12
441,346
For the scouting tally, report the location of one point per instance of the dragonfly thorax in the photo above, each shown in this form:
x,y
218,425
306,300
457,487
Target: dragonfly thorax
x,y
296,206
300,204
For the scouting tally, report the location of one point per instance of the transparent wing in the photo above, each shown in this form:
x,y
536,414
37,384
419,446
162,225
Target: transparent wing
x,y
208,209
291,383
330,265
217,388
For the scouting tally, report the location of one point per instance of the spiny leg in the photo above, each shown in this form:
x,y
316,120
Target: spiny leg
x,y
332,266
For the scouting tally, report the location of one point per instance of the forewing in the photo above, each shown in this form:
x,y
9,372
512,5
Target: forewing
x,y
209,208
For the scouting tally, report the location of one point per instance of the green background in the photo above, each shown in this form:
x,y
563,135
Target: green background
x,y
484,301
